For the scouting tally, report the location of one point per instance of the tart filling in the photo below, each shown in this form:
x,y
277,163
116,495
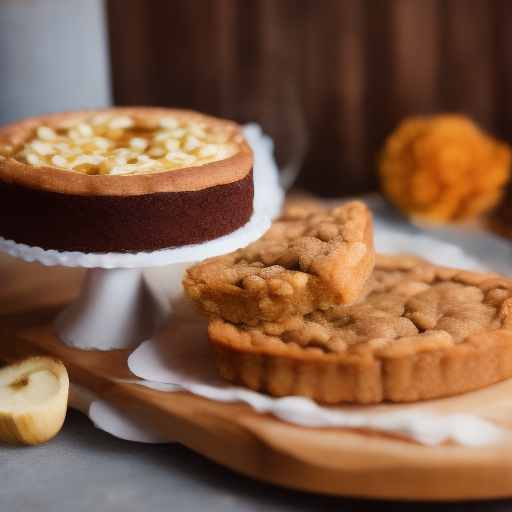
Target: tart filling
x,y
417,331
122,144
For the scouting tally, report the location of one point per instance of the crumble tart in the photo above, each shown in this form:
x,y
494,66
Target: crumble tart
x,y
298,266
125,179
418,331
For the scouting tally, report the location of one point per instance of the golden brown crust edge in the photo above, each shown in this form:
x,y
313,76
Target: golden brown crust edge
x,y
427,375
64,181
361,272
394,374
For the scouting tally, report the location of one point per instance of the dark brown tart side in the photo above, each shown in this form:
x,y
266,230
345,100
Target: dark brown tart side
x,y
136,223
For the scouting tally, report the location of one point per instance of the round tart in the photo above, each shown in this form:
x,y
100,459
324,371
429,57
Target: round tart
x,y
417,331
123,180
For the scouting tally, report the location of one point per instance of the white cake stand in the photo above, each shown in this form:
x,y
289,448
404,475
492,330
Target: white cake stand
x,y
117,307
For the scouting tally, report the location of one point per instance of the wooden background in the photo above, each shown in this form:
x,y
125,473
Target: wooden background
x,y
328,79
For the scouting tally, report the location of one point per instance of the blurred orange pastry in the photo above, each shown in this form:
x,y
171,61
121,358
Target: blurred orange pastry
x,y
443,168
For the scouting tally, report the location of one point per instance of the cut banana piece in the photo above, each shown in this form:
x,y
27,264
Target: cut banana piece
x,y
33,400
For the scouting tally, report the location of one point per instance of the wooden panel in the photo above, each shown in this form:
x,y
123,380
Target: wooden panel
x,y
333,76
327,79
416,57
503,70
467,60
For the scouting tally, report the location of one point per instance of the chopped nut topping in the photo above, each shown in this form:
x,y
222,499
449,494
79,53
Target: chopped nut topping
x,y
399,307
112,145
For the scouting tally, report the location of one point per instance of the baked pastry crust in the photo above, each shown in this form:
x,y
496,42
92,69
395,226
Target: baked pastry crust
x,y
298,266
59,209
418,332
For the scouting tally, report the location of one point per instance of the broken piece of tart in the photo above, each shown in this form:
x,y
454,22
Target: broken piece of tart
x,y
418,331
298,266
125,179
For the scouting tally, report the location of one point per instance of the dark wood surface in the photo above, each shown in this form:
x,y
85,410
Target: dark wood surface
x,y
328,77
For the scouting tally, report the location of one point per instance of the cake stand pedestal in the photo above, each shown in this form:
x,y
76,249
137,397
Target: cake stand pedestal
x,y
116,308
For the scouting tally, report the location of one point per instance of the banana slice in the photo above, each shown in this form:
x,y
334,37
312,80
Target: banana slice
x,y
33,400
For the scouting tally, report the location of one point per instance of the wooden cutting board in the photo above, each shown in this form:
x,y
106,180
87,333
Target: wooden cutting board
x,y
326,460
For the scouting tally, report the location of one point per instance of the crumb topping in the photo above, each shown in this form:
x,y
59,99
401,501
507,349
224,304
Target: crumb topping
x,y
109,144
297,267
398,309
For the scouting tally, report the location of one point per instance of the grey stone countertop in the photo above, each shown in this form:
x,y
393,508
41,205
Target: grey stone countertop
x,y
84,469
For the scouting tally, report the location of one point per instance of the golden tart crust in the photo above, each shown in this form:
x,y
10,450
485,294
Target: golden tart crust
x,y
417,332
55,208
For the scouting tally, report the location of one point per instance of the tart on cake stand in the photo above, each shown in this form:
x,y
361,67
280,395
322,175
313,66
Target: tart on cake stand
x,y
119,189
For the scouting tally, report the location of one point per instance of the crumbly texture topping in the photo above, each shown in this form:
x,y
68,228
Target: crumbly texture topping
x,y
411,307
110,144
416,331
298,266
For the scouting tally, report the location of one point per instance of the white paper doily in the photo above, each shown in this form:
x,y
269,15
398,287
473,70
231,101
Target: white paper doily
x,y
111,419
